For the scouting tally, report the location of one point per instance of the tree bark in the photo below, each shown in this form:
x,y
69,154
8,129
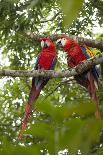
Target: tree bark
x,y
85,65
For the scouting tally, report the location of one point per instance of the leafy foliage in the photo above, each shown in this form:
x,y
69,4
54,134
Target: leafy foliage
x,y
70,8
64,121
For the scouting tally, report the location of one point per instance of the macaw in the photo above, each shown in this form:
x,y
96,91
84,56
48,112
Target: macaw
x,y
45,61
75,55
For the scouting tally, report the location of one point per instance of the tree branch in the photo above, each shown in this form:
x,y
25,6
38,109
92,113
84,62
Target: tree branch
x,y
85,65
92,43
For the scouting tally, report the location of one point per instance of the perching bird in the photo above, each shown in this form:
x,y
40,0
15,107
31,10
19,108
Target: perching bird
x,y
45,61
75,55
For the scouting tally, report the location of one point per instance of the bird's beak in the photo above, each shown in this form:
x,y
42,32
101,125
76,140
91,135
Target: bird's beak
x,y
59,44
45,45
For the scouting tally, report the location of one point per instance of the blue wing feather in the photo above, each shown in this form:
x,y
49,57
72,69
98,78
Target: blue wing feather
x,y
37,80
94,70
53,64
36,64
85,52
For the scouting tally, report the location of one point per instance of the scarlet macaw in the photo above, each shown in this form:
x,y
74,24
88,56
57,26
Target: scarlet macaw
x,y
75,55
45,61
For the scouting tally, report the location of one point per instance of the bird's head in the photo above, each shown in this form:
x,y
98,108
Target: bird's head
x,y
46,43
64,42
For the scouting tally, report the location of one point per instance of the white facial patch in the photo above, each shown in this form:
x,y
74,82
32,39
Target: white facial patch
x,y
47,42
42,43
63,41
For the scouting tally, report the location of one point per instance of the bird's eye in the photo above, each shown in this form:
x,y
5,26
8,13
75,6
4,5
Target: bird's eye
x,y
63,41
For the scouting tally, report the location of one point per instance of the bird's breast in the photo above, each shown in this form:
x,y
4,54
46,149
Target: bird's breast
x,y
46,60
76,55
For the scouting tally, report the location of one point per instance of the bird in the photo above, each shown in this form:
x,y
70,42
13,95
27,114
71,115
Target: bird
x,y
46,60
76,54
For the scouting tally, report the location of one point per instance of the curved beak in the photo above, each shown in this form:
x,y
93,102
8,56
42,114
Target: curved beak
x,y
59,44
45,45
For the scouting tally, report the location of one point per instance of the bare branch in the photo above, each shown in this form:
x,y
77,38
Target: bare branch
x,y
92,43
85,65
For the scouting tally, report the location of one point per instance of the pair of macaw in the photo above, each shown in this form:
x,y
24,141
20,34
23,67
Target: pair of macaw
x,y
47,61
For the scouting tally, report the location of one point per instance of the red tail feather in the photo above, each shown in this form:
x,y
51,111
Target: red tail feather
x,y
92,92
26,118
90,84
28,110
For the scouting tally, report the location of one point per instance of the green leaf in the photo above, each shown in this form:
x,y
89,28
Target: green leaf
x,y
71,8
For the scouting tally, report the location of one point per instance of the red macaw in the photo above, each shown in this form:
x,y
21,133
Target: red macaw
x,y
45,61
75,55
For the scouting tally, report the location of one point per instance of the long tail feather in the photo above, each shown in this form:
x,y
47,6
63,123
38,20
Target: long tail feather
x,y
26,118
92,92
28,109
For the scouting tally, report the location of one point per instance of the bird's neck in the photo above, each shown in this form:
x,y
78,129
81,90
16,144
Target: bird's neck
x,y
69,47
49,50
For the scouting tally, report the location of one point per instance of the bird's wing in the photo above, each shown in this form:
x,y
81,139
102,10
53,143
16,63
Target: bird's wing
x,y
37,64
88,54
53,63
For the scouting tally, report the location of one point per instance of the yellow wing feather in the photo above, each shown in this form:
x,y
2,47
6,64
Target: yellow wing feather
x,y
89,52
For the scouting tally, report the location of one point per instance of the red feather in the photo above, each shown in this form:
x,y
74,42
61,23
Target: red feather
x,y
28,109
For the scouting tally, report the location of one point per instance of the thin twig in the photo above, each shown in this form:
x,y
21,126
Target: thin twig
x,y
59,85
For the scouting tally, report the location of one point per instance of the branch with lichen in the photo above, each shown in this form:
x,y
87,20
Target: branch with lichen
x,y
80,68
